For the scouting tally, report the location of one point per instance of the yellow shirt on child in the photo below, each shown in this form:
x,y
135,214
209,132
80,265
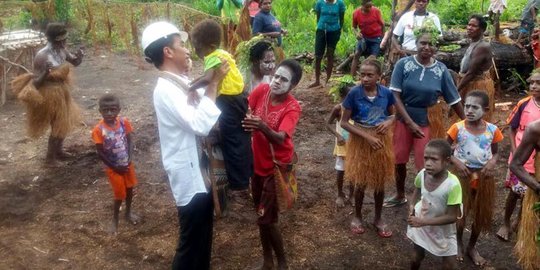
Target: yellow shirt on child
x,y
232,84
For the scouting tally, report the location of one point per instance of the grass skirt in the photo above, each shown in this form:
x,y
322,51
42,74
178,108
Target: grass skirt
x,y
527,250
479,199
485,83
437,117
366,167
50,105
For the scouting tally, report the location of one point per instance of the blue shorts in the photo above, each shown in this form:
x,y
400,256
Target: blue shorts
x,y
526,27
369,46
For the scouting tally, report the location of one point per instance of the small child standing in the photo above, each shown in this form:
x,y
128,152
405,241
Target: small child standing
x,y
370,156
475,157
340,149
435,207
112,136
496,8
526,111
235,141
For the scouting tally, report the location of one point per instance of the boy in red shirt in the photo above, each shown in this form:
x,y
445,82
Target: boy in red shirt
x,y
368,26
112,136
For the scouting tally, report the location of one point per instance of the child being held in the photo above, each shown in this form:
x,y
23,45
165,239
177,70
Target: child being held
x,y
340,150
475,157
235,141
435,207
112,136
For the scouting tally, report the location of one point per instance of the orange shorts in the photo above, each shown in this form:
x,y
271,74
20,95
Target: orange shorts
x,y
121,182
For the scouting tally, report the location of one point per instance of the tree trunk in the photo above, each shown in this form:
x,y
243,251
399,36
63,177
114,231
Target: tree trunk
x,y
506,56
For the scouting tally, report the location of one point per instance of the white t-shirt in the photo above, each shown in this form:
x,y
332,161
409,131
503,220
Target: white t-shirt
x,y
406,24
179,124
440,240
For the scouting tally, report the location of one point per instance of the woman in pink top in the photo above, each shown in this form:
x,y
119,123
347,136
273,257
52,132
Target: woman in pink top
x,y
368,26
526,111
253,8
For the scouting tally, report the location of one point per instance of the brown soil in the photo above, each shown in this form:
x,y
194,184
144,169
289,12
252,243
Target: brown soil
x,y
57,218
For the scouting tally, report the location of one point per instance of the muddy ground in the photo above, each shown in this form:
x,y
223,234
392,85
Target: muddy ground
x,y
56,218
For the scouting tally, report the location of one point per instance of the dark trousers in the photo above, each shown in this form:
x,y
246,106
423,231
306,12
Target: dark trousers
x,y
235,141
195,242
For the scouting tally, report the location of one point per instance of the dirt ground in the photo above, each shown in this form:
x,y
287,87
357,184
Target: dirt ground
x,y
56,218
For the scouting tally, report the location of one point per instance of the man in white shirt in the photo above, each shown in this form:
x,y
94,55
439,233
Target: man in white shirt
x,y
406,24
182,116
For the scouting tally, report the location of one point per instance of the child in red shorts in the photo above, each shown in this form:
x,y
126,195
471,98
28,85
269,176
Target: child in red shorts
x,y
112,136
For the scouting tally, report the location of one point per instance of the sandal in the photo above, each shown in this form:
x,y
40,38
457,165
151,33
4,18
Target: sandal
x,y
393,202
383,232
357,228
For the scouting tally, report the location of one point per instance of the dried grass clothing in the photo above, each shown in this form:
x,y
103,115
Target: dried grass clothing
x,y
50,105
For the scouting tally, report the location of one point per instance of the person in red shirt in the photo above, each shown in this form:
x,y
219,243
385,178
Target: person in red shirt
x,y
368,26
275,113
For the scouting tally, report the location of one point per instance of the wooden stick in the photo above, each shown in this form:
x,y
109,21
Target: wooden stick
x,y
14,64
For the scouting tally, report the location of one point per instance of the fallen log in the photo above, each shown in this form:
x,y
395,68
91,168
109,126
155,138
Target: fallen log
x,y
506,56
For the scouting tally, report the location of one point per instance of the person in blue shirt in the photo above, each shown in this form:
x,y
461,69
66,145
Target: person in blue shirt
x,y
370,158
266,24
417,83
330,14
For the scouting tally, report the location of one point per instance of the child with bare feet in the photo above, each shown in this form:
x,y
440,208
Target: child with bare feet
x,y
370,156
113,139
435,207
475,157
340,148
526,111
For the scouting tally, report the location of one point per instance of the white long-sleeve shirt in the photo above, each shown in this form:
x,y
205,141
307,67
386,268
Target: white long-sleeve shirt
x,y
179,124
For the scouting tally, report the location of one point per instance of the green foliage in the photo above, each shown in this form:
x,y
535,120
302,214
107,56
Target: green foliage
x,y
63,10
516,74
345,81
242,53
22,20
455,11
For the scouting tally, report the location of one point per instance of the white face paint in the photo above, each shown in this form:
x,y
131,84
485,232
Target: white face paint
x,y
281,82
266,68
268,63
474,110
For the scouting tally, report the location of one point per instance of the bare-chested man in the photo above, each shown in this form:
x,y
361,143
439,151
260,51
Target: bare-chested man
x,y
46,93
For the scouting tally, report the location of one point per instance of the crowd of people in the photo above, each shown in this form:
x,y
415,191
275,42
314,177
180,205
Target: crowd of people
x,y
376,127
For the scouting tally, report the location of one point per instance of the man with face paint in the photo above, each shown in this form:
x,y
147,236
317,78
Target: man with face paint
x,y
475,157
51,105
272,123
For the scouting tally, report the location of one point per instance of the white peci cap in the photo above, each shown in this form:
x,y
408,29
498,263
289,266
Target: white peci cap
x,y
157,30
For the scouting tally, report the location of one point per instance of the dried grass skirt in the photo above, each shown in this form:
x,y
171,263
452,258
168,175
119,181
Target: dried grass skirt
x,y
479,201
527,250
366,167
50,105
